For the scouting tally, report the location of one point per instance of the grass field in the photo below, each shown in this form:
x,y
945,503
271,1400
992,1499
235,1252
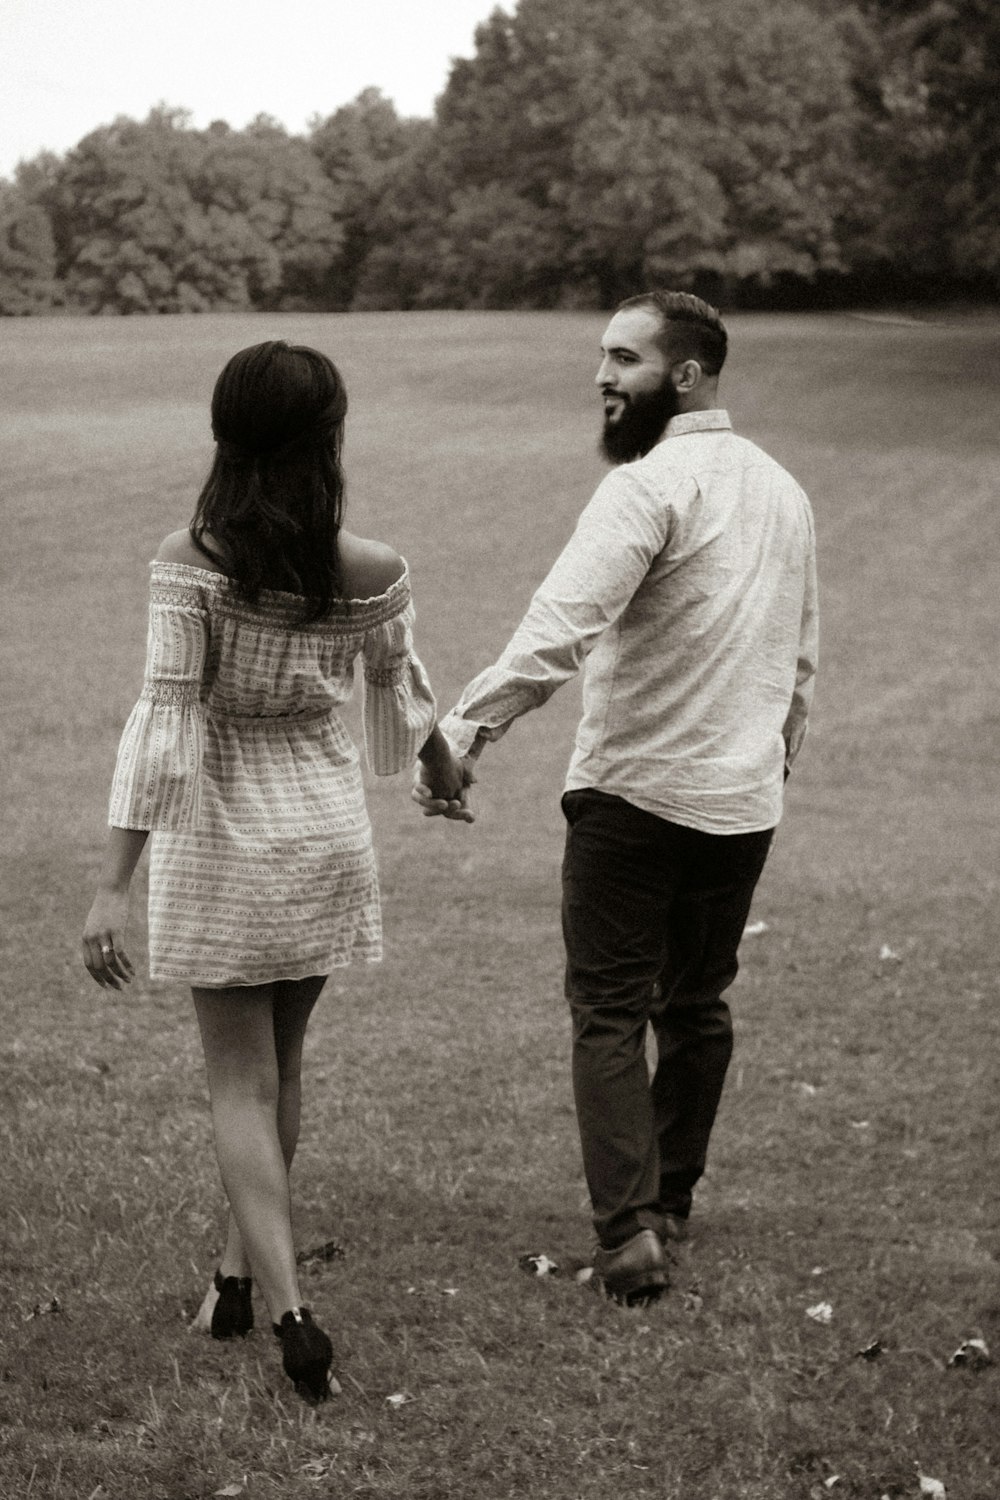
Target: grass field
x,y
857,1156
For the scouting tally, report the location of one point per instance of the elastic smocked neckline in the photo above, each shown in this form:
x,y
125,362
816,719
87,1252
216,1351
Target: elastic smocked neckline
x,y
400,588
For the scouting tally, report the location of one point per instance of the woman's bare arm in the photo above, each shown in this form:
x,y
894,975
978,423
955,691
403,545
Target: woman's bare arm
x,y
104,951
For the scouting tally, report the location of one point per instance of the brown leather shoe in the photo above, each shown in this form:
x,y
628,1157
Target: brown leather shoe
x,y
635,1271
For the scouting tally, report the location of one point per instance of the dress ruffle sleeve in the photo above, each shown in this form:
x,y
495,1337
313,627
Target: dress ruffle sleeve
x,y
157,774
399,707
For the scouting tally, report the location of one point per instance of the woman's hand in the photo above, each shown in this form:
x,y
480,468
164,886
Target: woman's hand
x,y
104,935
104,941
444,803
441,783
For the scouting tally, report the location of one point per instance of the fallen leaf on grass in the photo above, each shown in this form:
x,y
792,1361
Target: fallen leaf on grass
x,y
317,1468
400,1398
973,1353
754,929
41,1309
232,1489
329,1250
871,1351
932,1487
538,1265
820,1312
584,1275
820,1491
889,955
808,1089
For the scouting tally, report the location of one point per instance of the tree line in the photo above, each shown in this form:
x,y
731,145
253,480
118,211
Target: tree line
x,y
774,152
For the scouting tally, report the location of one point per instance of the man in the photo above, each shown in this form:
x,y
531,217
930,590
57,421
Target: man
x,y
689,589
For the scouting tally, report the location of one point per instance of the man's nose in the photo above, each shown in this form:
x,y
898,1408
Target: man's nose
x,y
603,376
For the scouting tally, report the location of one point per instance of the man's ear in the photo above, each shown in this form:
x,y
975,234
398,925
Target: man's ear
x,y
687,375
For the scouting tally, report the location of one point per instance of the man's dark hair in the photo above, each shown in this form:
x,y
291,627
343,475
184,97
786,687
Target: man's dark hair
x,y
691,328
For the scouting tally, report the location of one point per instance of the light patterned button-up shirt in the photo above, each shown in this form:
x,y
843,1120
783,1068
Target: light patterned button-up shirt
x,y
688,590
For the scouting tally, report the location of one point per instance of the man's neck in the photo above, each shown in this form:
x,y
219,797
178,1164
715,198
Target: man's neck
x,y
700,400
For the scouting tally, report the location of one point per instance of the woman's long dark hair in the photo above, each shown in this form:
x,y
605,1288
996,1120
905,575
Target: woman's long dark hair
x,y
273,500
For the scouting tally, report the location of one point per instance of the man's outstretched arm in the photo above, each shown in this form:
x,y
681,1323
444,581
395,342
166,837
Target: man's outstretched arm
x,y
618,535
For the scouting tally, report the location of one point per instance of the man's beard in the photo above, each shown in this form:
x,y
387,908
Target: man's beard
x,y
641,423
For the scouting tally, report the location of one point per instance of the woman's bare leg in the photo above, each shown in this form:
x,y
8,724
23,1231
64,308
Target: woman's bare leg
x,y
293,1005
241,1040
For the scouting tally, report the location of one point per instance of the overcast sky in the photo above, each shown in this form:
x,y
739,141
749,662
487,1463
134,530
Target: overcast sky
x,y
67,66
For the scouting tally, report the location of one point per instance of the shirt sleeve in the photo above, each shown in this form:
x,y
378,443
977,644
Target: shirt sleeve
x,y
797,720
399,707
617,537
157,774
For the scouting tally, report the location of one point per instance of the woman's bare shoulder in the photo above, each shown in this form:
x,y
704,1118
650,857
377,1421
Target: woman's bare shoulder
x,y
368,568
179,547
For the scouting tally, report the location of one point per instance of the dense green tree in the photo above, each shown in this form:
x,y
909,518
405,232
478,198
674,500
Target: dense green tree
x,y
361,147
719,150
512,111
407,233
588,147
132,234
930,82
495,249
28,281
618,143
158,217
263,186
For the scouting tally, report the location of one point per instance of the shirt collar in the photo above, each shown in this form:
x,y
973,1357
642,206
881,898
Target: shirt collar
x,y
699,421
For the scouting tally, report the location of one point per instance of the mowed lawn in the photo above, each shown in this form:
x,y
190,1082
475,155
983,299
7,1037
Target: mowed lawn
x,y
855,1162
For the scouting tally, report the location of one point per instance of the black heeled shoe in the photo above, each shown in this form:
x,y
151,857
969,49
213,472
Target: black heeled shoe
x,y
306,1353
232,1315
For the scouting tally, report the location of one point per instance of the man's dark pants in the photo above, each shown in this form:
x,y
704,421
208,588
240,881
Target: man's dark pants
x,y
653,913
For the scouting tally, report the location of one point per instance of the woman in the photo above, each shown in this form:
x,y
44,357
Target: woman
x,y
262,875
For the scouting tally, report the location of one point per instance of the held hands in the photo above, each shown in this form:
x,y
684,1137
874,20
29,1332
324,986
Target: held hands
x,y
104,952
444,796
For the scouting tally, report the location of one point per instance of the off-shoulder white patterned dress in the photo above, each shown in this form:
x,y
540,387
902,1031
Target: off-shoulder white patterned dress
x,y
261,863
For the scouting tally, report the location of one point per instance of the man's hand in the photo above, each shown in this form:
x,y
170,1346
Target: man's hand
x,y
434,806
